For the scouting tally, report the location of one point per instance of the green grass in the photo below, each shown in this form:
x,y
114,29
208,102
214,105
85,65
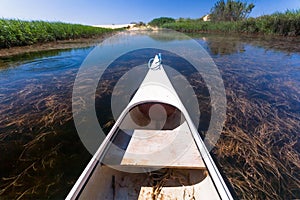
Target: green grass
x,y
287,24
201,26
21,33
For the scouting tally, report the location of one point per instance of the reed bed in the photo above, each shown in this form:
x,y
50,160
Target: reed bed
x,y
285,24
20,33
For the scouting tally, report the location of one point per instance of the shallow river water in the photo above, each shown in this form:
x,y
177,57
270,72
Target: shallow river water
x,y
258,152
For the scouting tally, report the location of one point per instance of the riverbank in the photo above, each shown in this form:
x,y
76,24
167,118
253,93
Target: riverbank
x,y
287,44
282,24
68,44
56,45
22,33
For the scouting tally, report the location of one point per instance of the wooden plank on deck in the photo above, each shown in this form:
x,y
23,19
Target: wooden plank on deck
x,y
163,148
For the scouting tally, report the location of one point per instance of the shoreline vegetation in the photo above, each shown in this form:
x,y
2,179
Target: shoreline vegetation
x,y
55,45
17,36
21,33
278,24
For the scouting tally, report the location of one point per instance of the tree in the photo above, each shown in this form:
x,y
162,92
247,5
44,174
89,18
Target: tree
x,y
231,10
161,21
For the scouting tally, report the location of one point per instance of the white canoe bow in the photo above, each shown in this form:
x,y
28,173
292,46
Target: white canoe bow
x,y
153,151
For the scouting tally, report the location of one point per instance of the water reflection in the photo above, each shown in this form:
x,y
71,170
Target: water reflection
x,y
13,61
223,45
166,36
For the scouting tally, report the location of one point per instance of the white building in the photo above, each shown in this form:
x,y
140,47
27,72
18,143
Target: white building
x,y
206,18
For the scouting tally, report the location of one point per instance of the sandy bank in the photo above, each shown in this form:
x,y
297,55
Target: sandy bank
x,y
115,26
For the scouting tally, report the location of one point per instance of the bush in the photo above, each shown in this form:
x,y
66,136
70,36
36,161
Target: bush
x,y
159,22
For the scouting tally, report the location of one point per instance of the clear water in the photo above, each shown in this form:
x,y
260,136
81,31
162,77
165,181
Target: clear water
x,y
258,153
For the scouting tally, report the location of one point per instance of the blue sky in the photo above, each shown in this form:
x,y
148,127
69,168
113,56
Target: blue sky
x,y
123,11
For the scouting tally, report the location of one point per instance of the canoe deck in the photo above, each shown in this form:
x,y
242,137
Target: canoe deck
x,y
155,148
165,184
